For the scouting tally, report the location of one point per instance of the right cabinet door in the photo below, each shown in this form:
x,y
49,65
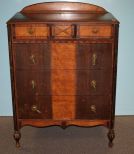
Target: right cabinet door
x,y
94,80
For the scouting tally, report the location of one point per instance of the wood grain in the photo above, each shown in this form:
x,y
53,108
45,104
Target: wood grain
x,y
63,55
95,31
63,107
31,31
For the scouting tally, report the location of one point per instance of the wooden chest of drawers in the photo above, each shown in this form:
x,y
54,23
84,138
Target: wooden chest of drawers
x,y
63,62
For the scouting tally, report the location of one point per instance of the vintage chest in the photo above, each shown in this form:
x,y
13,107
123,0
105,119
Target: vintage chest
x,y
63,62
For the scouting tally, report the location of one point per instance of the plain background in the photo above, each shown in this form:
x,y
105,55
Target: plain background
x,y
123,10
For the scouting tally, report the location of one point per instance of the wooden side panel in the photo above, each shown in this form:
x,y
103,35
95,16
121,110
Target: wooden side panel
x,y
63,82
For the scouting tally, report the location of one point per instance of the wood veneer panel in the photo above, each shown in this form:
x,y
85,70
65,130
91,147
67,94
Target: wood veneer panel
x,y
31,31
63,107
95,31
63,56
63,80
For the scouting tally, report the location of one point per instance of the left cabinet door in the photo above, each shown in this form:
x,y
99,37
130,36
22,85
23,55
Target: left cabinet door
x,y
32,80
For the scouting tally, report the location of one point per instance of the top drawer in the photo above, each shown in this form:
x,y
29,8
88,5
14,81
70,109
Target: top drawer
x,y
31,31
86,31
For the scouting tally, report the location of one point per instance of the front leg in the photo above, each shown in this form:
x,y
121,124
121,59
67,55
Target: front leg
x,y
17,136
111,136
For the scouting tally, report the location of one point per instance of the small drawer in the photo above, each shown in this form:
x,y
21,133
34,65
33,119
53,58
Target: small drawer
x,y
62,31
86,31
31,31
92,107
34,107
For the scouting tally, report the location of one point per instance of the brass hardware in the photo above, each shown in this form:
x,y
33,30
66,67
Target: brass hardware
x,y
93,84
32,57
35,109
94,57
95,30
93,108
33,84
30,31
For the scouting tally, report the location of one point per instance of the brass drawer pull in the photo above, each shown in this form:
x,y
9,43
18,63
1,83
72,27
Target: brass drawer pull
x,y
94,57
35,109
30,31
95,30
93,84
32,57
33,84
93,108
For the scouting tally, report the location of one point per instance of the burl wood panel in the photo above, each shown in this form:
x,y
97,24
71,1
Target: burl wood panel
x,y
63,107
29,55
63,55
95,31
63,79
31,31
62,31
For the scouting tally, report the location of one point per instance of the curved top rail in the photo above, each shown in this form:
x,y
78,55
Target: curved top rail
x,y
49,7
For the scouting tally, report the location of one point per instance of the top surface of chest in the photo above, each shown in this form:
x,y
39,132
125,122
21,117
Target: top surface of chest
x,y
63,12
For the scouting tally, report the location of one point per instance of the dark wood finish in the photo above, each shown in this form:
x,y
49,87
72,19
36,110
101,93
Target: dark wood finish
x,y
63,63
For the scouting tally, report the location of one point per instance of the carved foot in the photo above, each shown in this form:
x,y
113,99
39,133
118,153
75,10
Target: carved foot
x,y
111,136
17,136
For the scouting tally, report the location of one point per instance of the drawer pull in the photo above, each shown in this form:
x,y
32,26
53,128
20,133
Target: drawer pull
x,y
33,84
95,31
93,108
93,84
35,109
30,31
32,57
94,57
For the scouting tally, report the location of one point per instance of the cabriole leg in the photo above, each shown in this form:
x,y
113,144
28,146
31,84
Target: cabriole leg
x,y
111,136
17,136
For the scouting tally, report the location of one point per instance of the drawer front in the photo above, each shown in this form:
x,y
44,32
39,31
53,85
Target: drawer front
x,y
93,107
62,31
33,82
31,56
104,31
34,107
95,82
94,56
31,31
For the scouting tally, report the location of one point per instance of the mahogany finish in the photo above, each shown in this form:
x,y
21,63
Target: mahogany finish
x,y
63,62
